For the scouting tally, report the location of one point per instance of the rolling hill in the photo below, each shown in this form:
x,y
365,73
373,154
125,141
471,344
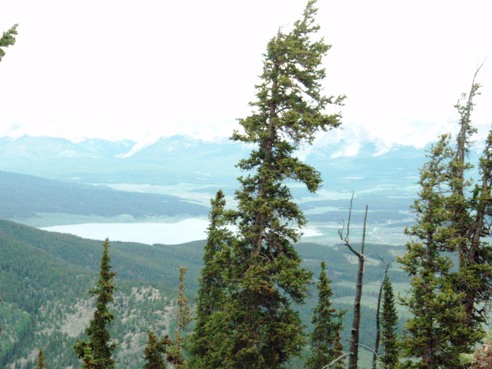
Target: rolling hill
x,y
25,196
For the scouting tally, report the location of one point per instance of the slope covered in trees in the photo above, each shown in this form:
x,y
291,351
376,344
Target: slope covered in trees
x,y
44,279
24,196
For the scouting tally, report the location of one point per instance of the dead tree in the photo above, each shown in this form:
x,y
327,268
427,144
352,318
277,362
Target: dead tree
x,y
344,236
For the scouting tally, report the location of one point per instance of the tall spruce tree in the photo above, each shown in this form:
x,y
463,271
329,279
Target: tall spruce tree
x,y
256,322
327,321
436,334
471,205
207,339
267,274
389,322
375,354
96,352
7,39
175,352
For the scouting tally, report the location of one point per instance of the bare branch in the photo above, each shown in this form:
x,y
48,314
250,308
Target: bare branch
x,y
344,233
364,231
349,217
367,348
336,360
478,70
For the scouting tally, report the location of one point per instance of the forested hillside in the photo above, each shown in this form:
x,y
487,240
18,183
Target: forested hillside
x,y
24,196
44,279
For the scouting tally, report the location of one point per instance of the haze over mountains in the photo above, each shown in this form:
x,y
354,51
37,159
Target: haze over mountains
x,y
176,177
176,159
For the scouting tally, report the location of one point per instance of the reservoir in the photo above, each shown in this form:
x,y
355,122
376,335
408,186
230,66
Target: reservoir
x,y
191,229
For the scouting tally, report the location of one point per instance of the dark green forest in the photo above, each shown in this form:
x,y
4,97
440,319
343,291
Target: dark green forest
x,y
45,277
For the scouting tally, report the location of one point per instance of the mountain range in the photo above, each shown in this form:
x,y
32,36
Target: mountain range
x,y
169,160
176,177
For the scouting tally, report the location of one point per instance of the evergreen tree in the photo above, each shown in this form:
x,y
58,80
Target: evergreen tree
x,y
257,324
175,354
325,338
207,339
375,354
154,352
267,269
471,206
389,321
437,333
40,363
7,39
96,352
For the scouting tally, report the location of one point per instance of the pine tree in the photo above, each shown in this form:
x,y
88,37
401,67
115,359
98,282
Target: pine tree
x,y
325,338
154,352
389,322
207,339
96,352
257,324
437,333
267,269
375,354
7,39
471,205
175,354
41,360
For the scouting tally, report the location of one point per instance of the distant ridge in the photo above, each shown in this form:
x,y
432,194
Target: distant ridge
x,y
168,160
25,196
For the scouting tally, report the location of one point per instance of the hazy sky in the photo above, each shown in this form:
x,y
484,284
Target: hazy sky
x,y
139,69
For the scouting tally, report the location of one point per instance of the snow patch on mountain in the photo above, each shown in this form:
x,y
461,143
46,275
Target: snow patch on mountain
x,y
138,146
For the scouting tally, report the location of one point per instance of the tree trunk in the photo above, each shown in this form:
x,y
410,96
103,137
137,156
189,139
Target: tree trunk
x,y
354,341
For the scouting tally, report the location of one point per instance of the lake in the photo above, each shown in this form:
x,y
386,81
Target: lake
x,y
186,230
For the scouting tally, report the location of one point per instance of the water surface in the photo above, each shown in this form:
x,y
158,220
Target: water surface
x,y
187,230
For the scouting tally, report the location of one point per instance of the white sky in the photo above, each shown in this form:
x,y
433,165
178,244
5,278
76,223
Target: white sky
x,y
140,69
